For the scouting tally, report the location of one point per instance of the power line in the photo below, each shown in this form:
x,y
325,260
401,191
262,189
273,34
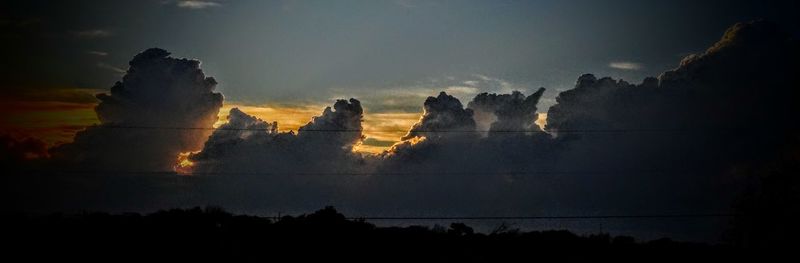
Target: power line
x,y
123,172
480,218
309,130
636,130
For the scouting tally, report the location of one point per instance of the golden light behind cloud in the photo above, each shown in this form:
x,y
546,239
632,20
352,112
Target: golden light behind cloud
x,y
381,130
57,122
183,165
289,117
385,129
542,120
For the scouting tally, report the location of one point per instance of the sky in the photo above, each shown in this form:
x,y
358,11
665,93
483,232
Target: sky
x,y
389,54
400,108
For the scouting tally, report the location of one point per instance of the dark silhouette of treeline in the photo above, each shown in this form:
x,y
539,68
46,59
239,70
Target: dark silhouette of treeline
x,y
211,234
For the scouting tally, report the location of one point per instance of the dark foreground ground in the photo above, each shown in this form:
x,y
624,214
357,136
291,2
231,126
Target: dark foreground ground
x,y
211,234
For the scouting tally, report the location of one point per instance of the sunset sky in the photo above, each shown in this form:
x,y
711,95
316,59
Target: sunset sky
x,y
285,60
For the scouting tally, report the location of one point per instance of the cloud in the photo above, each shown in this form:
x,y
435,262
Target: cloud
x,y
157,91
391,110
290,116
506,112
247,141
284,170
193,4
728,107
50,114
624,65
382,130
346,116
457,172
92,33
444,117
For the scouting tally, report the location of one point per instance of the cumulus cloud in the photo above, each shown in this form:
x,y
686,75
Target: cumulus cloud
x,y
506,112
451,170
246,142
594,104
735,84
343,123
728,107
283,170
240,126
157,91
444,116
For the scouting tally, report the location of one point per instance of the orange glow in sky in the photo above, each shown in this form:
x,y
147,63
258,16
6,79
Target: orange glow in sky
x,y
52,122
57,122
382,130
183,165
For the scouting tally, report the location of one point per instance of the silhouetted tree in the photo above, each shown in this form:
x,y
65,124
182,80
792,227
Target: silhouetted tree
x,y
212,235
460,229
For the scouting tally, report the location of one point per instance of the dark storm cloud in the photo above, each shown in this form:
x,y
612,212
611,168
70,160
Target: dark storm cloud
x,y
734,94
676,139
157,91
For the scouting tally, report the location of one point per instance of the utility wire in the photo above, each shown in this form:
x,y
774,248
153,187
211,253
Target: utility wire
x,y
123,172
715,215
638,130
